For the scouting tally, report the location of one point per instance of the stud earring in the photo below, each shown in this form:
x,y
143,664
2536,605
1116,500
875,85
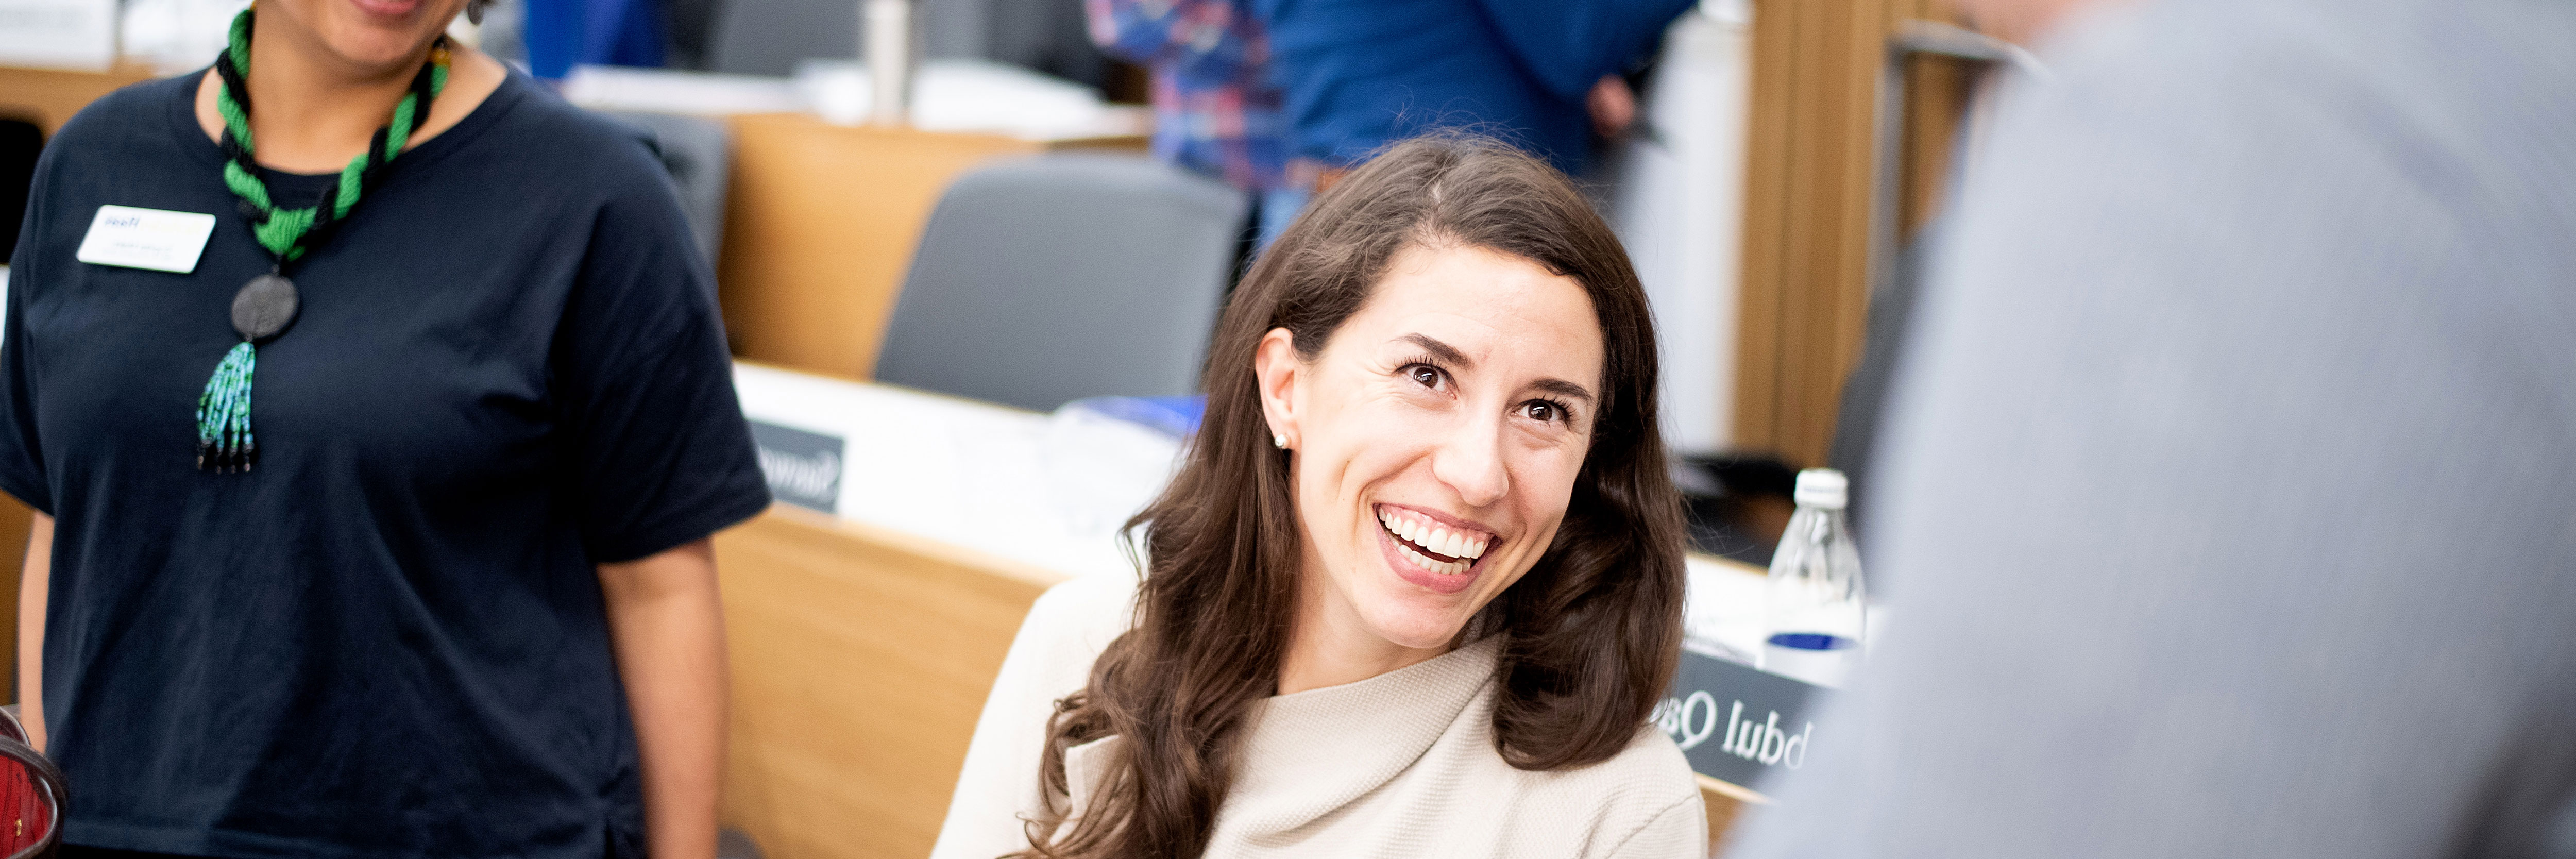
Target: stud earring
x,y
1279,441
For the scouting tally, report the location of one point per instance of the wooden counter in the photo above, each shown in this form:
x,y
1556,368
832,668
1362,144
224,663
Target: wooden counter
x,y
861,658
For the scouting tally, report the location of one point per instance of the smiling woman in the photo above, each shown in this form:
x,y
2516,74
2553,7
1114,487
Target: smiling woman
x,y
1419,582
374,503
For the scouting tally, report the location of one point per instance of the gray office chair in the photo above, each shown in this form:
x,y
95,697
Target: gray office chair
x,y
698,152
1047,279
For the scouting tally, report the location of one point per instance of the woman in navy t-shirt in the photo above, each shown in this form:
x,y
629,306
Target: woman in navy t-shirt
x,y
377,412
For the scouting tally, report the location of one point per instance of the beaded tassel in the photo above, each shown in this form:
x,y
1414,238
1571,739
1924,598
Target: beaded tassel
x,y
224,442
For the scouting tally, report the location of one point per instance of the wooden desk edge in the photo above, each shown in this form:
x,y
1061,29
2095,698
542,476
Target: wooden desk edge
x,y
1731,790
1097,142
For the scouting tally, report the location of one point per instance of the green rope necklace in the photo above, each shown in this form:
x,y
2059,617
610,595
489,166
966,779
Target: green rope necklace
x,y
267,304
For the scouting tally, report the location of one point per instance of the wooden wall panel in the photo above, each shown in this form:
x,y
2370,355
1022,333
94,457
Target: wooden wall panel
x,y
1806,225
1808,185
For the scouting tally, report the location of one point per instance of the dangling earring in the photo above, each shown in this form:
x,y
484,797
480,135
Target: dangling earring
x,y
1279,441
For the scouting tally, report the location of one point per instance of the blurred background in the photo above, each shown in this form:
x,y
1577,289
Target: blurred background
x,y
907,201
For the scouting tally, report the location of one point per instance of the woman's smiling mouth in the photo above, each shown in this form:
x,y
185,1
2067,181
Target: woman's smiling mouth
x,y
1427,552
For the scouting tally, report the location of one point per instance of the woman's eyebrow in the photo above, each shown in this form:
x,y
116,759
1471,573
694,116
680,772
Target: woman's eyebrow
x,y
1448,354
1563,388
1441,352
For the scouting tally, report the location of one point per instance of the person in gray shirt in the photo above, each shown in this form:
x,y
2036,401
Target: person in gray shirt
x,y
2231,500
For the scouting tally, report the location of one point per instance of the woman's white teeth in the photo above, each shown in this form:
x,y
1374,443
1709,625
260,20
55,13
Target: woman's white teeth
x,y
1439,540
1449,568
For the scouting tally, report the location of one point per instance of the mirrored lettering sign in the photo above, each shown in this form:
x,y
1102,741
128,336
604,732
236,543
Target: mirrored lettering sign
x,y
804,468
1738,723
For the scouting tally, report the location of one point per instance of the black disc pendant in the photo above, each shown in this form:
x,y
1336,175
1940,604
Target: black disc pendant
x,y
264,307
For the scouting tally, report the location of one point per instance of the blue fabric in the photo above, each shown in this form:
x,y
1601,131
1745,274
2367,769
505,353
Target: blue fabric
x,y
1568,46
1202,42
1214,110
388,639
1358,74
561,34
1279,207
1177,417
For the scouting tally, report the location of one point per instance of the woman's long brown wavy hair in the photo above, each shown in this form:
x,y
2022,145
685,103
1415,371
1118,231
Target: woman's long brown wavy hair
x,y
1590,636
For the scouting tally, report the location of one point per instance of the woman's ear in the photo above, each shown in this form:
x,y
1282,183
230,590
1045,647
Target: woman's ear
x,y
1277,372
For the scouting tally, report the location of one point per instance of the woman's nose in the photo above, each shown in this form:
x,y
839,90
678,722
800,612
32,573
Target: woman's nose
x,y
1471,462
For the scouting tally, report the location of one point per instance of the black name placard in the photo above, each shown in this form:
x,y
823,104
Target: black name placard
x,y
1738,723
804,468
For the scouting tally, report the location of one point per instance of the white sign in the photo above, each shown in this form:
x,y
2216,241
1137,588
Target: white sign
x,y
58,34
146,238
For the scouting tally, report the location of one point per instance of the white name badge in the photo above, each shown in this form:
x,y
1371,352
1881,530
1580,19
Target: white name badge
x,y
146,238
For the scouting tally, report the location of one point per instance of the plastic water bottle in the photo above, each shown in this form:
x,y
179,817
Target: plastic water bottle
x,y
1815,608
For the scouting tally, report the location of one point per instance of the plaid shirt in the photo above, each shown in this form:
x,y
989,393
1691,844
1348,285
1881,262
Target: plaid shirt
x,y
1213,112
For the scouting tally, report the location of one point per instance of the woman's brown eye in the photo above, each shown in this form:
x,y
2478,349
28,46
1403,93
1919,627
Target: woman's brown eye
x,y
1542,412
1425,376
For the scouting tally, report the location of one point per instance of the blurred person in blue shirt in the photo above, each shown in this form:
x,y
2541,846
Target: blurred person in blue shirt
x,y
561,34
1358,74
1213,111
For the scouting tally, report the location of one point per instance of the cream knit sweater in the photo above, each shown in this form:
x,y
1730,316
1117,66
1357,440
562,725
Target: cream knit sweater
x,y
1399,765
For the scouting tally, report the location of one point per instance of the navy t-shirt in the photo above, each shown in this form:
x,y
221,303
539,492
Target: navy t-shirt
x,y
388,639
